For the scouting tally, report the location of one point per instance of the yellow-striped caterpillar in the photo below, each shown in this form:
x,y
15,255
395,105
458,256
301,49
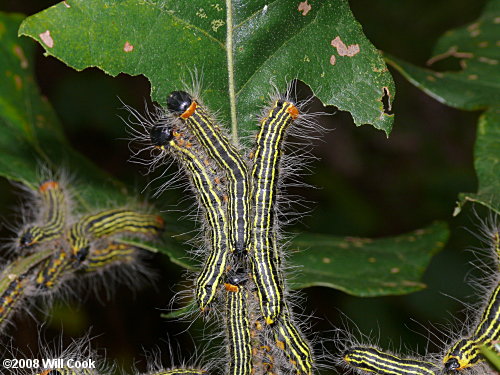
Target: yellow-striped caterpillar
x,y
217,145
264,256
54,206
109,223
166,137
180,371
53,270
291,341
113,253
375,361
238,327
465,353
15,278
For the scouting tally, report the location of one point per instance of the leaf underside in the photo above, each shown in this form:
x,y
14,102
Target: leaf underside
x,y
175,44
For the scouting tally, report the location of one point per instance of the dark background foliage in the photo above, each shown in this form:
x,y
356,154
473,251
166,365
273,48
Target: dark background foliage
x,y
368,185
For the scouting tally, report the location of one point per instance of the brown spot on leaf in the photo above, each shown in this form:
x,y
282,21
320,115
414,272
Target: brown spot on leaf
x,y
304,8
395,270
472,77
18,82
47,39
333,59
487,60
453,51
18,51
344,50
483,44
496,20
372,260
431,78
327,260
128,47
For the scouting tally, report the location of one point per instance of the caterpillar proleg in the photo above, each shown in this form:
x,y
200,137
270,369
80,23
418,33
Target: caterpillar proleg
x,y
372,360
264,256
54,204
219,148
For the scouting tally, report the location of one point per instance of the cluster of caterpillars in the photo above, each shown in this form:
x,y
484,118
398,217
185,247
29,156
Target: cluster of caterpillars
x,y
237,194
462,356
59,246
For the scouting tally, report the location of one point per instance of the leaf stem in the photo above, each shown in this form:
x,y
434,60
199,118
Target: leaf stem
x,y
230,70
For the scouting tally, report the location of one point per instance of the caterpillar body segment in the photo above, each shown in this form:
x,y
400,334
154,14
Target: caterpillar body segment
x,y
53,270
238,329
15,279
113,253
108,223
375,361
204,181
12,296
465,353
180,371
54,206
69,371
219,148
289,339
264,258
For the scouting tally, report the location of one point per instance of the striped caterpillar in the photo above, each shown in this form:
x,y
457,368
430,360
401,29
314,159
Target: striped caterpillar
x,y
373,360
182,146
264,257
465,353
15,280
238,326
109,223
216,144
54,204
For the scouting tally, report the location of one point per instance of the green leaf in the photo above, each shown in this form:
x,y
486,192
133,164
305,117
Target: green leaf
x,y
367,267
477,84
492,356
265,45
486,162
31,137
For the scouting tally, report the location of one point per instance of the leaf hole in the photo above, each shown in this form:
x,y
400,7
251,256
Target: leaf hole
x,y
386,101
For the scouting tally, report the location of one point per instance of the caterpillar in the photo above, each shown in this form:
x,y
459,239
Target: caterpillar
x,y
68,371
54,204
238,327
218,147
375,361
15,278
465,353
109,223
264,256
53,270
113,253
202,178
181,371
289,339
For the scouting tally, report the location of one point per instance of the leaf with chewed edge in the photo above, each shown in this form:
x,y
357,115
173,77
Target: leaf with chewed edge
x,y
265,45
367,267
31,137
